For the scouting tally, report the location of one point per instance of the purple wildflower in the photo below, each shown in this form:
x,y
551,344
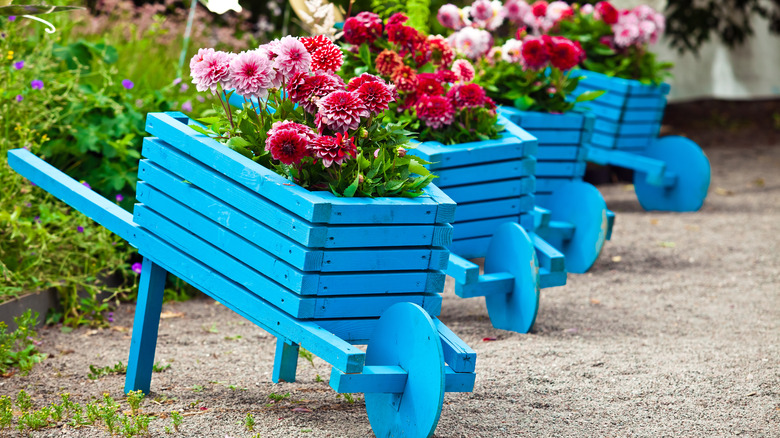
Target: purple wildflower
x,y
37,84
11,17
86,184
32,183
119,198
183,88
28,205
127,83
176,81
80,229
136,268
186,106
37,219
110,317
19,65
19,98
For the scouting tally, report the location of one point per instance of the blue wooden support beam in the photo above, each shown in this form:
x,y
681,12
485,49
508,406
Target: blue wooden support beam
x,y
541,217
564,230
462,270
654,169
488,284
551,279
392,380
285,361
549,257
458,382
457,354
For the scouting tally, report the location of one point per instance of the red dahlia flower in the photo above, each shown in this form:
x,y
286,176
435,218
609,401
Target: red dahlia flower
x,y
333,149
447,76
435,111
535,54
404,78
539,9
306,90
387,61
441,52
289,125
565,54
357,81
607,12
327,58
287,146
430,84
397,18
314,43
375,95
467,96
340,111
365,27
464,71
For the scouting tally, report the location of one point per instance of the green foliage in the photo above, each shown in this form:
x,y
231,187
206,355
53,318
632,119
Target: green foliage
x,y
381,167
97,372
17,349
633,62
249,422
176,420
545,90
278,397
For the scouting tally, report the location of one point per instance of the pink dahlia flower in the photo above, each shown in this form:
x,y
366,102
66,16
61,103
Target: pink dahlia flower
x,y
340,111
626,34
586,9
306,90
333,149
512,51
447,76
558,10
252,74
293,57
357,81
287,146
289,125
471,42
375,95
535,53
449,17
481,10
435,111
209,68
467,96
515,10
464,71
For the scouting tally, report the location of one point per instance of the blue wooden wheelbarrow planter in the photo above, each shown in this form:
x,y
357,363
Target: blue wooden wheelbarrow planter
x,y
572,214
671,173
312,269
493,183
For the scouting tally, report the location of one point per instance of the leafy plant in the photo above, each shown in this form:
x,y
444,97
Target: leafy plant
x,y
97,372
249,422
18,349
278,397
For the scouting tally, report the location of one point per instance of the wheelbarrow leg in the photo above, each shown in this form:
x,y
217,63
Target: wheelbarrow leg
x,y
145,326
285,361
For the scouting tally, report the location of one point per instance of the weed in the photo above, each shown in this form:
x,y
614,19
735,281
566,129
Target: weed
x,y
306,354
158,368
278,397
134,399
96,373
233,338
347,396
212,329
17,349
197,388
176,419
249,422
6,412
317,378
23,401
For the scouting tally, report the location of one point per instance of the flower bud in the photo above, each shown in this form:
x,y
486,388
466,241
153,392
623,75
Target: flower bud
x,y
401,152
363,133
360,179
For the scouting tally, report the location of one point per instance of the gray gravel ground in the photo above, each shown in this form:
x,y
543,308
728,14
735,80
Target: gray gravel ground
x,y
674,332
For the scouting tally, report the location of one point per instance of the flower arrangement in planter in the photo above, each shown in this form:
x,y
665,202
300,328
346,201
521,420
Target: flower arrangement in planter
x,y
436,96
302,121
617,40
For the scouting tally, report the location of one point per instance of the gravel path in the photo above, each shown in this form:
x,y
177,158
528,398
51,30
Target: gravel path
x,y
674,332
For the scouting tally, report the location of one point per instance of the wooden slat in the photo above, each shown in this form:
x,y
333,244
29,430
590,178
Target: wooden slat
x,y
549,257
491,190
485,172
531,121
445,156
462,270
554,137
488,209
318,207
559,169
559,153
488,284
457,354
259,213
479,228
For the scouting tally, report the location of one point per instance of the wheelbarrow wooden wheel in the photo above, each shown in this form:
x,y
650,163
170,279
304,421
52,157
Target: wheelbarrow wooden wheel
x,y
581,205
406,337
684,159
512,251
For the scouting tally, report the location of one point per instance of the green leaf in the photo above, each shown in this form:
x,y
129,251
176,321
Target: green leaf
x,y
590,95
350,191
365,54
416,167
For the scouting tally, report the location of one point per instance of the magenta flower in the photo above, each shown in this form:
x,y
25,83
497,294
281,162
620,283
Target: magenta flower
x,y
19,65
80,229
37,84
186,106
463,70
375,95
292,57
209,68
435,111
119,198
128,84
289,125
19,98
340,111
11,17
252,74
110,317
287,146
333,149
307,90
136,268
86,184
449,17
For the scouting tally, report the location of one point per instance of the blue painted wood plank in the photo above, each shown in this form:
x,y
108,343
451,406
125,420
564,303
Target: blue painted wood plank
x,y
653,168
559,153
379,259
479,228
553,137
489,209
550,184
319,207
75,194
625,128
559,169
462,270
646,102
457,354
285,361
445,156
541,217
551,279
373,379
549,257
488,284
492,190
201,197
458,382
445,210
471,248
485,172
145,325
